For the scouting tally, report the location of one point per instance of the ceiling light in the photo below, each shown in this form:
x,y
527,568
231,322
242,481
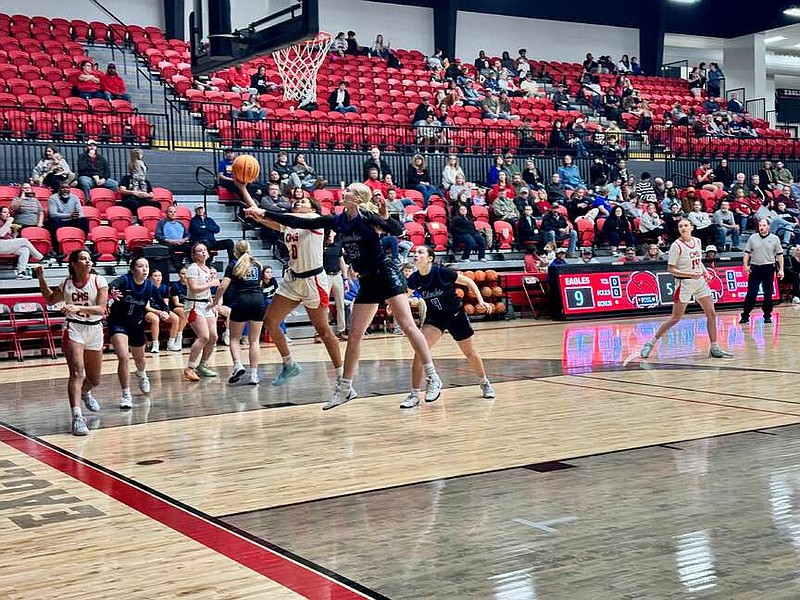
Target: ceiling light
x,y
792,11
796,46
684,1
774,38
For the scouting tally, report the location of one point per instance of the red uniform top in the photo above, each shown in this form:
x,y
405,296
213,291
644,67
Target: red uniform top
x,y
88,86
113,84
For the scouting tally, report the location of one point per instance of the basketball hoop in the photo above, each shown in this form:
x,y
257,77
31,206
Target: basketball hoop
x,y
298,65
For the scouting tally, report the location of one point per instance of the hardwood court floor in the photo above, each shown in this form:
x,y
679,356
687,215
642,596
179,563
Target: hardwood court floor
x,y
349,496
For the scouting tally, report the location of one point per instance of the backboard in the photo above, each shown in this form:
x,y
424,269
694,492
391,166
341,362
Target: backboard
x,y
243,29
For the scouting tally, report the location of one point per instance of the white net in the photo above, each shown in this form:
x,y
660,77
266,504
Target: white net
x,y
298,66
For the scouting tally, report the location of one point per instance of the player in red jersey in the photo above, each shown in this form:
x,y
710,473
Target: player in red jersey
x,y
691,281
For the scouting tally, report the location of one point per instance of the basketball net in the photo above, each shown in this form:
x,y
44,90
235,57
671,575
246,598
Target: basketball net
x,y
298,65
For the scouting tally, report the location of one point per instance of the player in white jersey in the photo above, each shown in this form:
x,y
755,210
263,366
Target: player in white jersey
x,y
83,297
305,283
201,313
691,282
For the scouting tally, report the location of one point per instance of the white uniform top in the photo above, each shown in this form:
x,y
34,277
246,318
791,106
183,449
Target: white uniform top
x,y
687,257
305,248
202,275
85,295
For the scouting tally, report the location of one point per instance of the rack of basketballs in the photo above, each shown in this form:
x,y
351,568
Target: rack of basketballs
x,y
491,292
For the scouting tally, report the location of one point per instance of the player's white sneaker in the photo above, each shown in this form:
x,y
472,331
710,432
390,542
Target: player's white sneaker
x,y
174,346
79,426
646,350
487,391
716,352
236,374
795,300
90,402
410,401
433,388
253,378
144,383
339,397
154,347
127,401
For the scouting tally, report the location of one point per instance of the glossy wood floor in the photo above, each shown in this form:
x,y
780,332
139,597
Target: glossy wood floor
x,y
215,491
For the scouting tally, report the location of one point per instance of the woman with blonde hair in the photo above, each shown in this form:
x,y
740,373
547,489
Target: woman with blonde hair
x,y
244,278
360,227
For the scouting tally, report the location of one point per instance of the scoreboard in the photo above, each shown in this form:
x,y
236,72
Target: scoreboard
x,y
588,290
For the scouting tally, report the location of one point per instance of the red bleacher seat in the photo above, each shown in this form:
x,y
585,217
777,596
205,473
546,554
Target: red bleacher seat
x,y
415,232
69,239
149,216
164,197
40,238
119,217
438,235
137,236
106,242
503,235
102,198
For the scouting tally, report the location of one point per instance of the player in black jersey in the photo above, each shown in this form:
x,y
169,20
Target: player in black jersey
x,y
247,307
437,286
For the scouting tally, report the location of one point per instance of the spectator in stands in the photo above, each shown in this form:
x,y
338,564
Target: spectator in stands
x,y
472,97
741,127
782,174
560,98
338,45
135,188
375,161
757,191
423,110
704,228
113,85
225,171
239,81
304,176
617,229
429,133
556,227
644,188
436,61
466,236
651,227
524,198
695,82
740,184
51,169
503,186
482,64
252,110
678,115
450,171
11,244
260,83
578,204
494,171
93,171
558,138
556,192
88,84
507,86
372,182
172,233
653,254
629,256
380,48
527,231
624,64
785,226
504,105
509,166
636,68
339,99
725,222
491,106
504,208
532,175
26,208
570,174
418,178
530,88
734,104
65,210
599,172
767,176
722,174
204,229
450,97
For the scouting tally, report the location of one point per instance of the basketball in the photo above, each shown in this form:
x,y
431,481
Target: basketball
x,y
471,296
459,292
469,309
491,276
497,291
499,308
480,309
468,274
245,169
486,292
480,276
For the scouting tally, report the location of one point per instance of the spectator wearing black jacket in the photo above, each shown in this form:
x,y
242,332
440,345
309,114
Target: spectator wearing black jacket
x,y
375,162
260,82
466,235
599,171
136,193
532,175
555,227
556,192
203,228
617,229
527,231
339,99
723,174
93,171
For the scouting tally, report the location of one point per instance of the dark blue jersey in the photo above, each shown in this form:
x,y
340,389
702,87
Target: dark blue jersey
x,y
160,297
129,309
249,284
438,289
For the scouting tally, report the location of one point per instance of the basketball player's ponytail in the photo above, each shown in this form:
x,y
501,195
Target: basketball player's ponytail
x,y
364,195
244,260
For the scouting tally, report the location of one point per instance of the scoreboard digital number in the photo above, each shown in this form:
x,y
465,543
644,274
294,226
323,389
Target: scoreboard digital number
x,y
636,287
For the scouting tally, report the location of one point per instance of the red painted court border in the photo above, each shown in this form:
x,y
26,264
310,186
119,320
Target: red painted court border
x,y
281,569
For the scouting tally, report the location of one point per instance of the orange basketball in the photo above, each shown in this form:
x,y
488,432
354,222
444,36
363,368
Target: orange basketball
x,y
499,308
469,309
471,296
459,292
491,275
497,291
245,169
486,292
480,309
480,276
468,274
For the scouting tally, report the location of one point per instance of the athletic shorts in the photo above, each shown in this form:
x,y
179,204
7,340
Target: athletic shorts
x,y
311,292
457,324
688,289
249,307
199,310
378,286
90,335
134,331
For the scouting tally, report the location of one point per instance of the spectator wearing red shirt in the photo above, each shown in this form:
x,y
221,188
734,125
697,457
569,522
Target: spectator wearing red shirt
x,y
113,85
373,183
502,186
239,81
87,83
